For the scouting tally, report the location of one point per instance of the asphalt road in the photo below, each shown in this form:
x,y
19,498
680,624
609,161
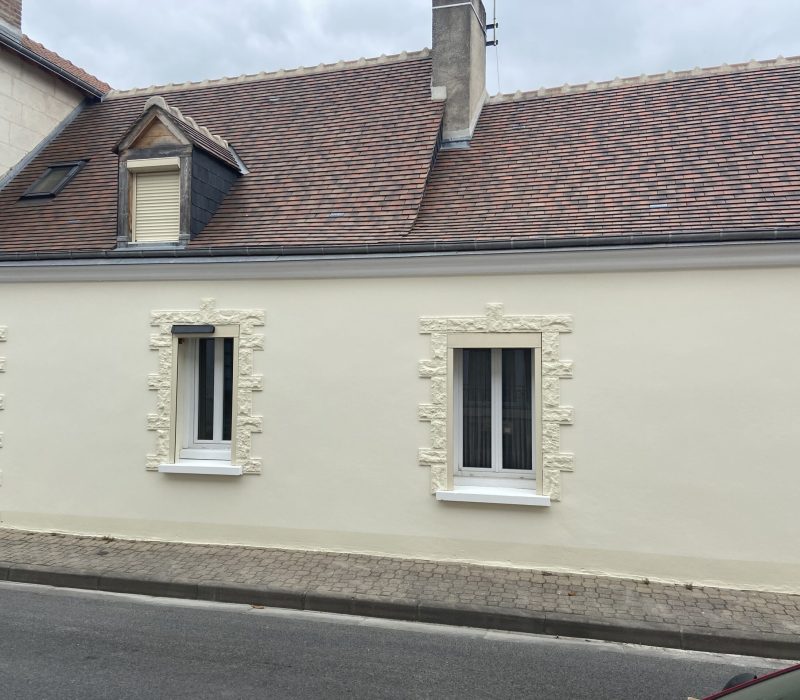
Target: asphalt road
x,y
58,643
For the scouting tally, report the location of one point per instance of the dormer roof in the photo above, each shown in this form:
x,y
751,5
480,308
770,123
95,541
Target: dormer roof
x,y
183,128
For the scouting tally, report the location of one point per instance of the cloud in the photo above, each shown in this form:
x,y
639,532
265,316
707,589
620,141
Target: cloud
x,y
548,42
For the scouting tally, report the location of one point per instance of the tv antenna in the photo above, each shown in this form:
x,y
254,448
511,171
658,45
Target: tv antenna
x,y
493,41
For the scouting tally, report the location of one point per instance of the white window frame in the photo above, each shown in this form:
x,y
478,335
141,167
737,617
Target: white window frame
x,y
496,476
192,447
188,455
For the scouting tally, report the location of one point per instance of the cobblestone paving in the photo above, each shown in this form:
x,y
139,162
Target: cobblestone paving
x,y
601,598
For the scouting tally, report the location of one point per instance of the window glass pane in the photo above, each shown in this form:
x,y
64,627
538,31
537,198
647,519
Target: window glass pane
x,y
477,408
205,389
227,390
50,180
517,410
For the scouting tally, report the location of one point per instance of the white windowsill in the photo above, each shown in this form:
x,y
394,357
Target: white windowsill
x,y
493,494
201,466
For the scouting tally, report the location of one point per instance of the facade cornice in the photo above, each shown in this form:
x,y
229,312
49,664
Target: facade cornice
x,y
563,261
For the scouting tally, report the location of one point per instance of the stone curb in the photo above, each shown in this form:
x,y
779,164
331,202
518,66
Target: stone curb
x,y
485,617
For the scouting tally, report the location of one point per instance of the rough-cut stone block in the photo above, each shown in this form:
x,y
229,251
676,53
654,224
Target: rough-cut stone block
x,y
562,323
464,324
160,341
3,334
551,346
551,392
162,441
438,477
253,466
245,401
439,435
254,342
163,400
156,381
208,306
432,368
428,411
551,436
429,456
561,461
562,415
494,311
552,484
439,346
249,424
157,421
439,390
252,383
557,369
245,360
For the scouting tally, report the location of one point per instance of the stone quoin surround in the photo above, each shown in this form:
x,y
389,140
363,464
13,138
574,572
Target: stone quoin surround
x,y
554,415
247,382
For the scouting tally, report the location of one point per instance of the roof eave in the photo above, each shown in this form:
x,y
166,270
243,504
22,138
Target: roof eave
x,y
533,244
12,43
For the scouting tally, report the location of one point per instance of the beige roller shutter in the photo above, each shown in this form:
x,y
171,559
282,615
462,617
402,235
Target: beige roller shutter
x,y
156,206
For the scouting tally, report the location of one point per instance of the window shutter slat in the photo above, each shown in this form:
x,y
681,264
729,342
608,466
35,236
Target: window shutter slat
x,y
157,207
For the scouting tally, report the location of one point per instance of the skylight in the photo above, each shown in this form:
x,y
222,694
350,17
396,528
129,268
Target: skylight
x,y
53,180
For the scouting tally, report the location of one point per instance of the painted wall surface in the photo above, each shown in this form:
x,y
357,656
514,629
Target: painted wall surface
x,y
686,434
32,103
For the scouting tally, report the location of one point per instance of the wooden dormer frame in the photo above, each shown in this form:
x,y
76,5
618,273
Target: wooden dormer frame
x,y
128,151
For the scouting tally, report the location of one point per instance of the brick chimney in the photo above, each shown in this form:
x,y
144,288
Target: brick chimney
x,y
11,16
459,64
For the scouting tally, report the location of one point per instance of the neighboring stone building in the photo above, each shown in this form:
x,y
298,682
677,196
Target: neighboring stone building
x,y
365,307
38,89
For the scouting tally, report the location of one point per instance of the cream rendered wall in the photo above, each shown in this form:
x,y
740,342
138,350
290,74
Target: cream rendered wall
x,y
32,103
686,435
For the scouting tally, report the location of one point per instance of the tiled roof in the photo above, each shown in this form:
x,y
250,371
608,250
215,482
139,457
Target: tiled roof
x,y
334,157
341,156
705,154
67,66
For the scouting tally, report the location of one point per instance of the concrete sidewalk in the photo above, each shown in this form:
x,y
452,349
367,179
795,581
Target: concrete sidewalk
x,y
706,619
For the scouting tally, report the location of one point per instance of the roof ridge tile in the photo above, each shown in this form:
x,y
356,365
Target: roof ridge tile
x,y
160,102
645,79
280,73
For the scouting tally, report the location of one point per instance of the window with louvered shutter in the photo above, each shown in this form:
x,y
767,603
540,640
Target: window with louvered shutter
x,y
156,206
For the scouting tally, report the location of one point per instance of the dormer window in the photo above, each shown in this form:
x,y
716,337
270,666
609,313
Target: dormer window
x,y
155,200
173,174
53,180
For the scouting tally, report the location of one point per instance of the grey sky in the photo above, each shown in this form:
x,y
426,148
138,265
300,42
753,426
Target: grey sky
x,y
134,43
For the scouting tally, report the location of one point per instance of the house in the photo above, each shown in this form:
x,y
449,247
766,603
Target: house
x,y
363,307
39,90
